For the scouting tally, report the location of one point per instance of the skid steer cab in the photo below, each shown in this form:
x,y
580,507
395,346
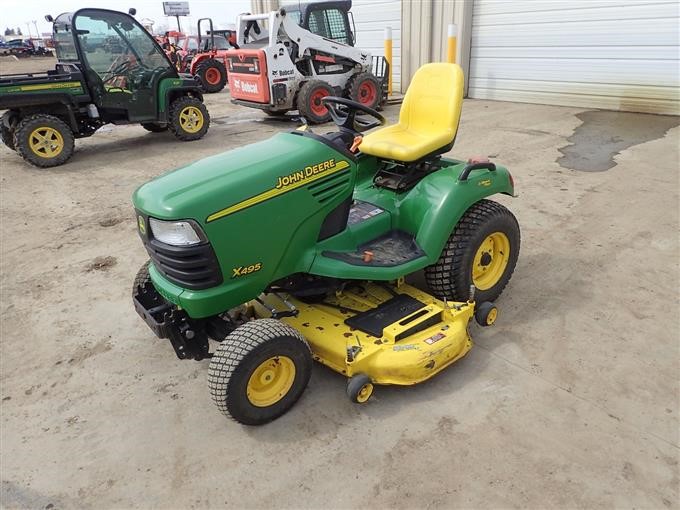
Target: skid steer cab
x,y
296,249
109,70
307,53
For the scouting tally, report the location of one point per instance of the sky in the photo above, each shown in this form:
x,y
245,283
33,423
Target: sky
x,y
16,13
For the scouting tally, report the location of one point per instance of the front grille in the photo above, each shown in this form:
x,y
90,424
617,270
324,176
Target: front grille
x,y
191,267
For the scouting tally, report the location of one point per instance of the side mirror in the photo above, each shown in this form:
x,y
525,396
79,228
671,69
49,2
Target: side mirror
x,y
49,18
132,11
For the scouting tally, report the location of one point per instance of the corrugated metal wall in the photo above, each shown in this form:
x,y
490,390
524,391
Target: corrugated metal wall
x,y
424,33
371,17
612,54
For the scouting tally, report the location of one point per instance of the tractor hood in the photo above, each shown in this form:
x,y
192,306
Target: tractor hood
x,y
205,189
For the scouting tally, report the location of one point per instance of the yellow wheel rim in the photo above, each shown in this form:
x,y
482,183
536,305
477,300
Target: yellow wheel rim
x,y
365,393
271,381
191,119
46,142
491,260
491,318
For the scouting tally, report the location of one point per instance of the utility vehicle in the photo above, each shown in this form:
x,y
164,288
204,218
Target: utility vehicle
x,y
296,248
307,53
109,70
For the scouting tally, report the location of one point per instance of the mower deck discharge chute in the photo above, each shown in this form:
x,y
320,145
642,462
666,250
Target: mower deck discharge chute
x,y
295,249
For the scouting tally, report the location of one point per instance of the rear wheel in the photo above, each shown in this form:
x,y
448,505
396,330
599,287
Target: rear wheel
x,y
6,133
212,75
189,118
309,101
154,127
44,140
482,250
366,89
259,371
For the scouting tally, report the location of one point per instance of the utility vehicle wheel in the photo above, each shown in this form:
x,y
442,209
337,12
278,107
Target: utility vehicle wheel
x,y
259,371
359,388
154,127
6,133
309,101
486,314
212,74
44,140
482,250
189,118
366,89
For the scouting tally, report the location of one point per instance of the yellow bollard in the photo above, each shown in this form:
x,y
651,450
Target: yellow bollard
x,y
388,57
451,44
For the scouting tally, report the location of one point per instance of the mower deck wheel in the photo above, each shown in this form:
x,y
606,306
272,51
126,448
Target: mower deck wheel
x,y
486,314
359,388
259,371
44,140
188,118
309,101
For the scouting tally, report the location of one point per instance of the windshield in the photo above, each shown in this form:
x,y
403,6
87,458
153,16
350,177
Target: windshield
x,y
108,39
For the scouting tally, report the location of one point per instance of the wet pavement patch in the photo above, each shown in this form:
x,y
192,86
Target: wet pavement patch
x,y
604,134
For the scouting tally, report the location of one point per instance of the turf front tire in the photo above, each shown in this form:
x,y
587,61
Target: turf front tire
x,y
366,89
212,74
482,250
359,388
309,101
259,371
44,140
189,118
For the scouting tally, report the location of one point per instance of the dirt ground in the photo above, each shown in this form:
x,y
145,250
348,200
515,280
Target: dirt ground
x,y
570,401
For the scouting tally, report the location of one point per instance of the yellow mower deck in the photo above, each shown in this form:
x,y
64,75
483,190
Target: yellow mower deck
x,y
410,350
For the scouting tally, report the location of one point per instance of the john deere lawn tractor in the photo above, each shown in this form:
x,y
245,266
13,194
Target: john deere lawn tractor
x,y
296,249
109,70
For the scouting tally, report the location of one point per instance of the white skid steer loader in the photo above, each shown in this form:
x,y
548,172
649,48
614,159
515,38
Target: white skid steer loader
x,y
307,53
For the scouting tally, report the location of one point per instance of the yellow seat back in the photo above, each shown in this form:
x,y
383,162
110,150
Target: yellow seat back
x,y
433,101
428,119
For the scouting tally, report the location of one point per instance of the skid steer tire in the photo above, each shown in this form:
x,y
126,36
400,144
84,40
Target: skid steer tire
x,y
6,133
366,89
188,118
309,101
482,249
212,74
44,140
259,371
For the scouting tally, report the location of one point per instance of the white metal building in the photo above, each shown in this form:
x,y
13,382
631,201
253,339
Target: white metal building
x,y
612,54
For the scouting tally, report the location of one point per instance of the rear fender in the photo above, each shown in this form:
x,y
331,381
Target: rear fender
x,y
432,209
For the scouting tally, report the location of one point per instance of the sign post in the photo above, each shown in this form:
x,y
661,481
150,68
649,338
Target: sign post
x,y
176,9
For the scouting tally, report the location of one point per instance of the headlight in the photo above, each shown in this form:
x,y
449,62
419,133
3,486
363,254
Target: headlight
x,y
175,233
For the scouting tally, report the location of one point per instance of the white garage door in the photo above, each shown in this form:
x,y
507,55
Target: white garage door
x,y
371,17
612,54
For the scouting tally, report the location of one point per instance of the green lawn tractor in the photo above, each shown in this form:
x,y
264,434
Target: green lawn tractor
x,y
109,70
296,248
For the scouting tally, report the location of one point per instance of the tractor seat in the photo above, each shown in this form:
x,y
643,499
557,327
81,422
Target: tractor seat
x,y
428,119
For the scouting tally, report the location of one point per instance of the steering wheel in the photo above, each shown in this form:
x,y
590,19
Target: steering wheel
x,y
344,114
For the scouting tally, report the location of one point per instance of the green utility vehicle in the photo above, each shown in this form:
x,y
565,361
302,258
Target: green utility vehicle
x,y
109,70
295,249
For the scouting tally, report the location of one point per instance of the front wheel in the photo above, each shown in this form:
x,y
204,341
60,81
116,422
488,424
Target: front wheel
x,y
259,371
44,140
212,74
309,101
482,251
189,118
